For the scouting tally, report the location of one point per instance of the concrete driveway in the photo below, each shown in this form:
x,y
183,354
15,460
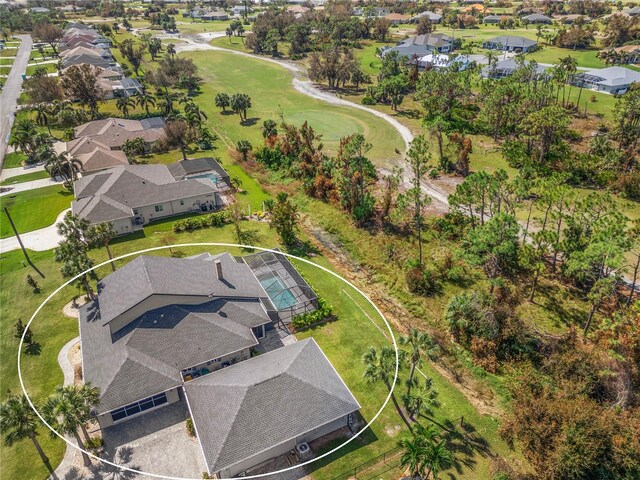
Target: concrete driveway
x,y
158,443
38,240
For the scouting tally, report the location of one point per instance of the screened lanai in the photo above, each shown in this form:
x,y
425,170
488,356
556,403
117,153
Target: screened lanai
x,y
289,293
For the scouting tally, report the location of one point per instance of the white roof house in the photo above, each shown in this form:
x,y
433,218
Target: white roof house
x,y
615,80
441,60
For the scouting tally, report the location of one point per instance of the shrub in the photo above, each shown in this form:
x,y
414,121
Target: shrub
x,y
217,219
422,282
629,185
94,443
191,431
320,314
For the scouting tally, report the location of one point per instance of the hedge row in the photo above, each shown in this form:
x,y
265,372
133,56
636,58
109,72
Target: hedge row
x,y
217,219
320,314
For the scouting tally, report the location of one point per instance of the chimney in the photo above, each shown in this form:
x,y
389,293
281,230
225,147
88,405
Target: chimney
x,y
218,269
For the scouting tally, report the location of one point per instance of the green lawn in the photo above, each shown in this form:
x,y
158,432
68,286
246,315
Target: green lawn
x,y
36,55
33,209
13,160
49,67
552,55
27,177
273,95
6,61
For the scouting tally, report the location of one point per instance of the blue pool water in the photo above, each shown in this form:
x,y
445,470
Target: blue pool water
x,y
214,178
274,286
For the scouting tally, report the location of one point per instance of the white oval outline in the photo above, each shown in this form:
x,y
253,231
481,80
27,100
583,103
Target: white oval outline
x,y
208,244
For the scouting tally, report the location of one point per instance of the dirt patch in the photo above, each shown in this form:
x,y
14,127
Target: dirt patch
x,y
71,309
75,360
392,430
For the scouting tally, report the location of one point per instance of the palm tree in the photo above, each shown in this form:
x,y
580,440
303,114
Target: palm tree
x,y
18,421
437,457
23,135
419,343
167,101
134,146
229,33
42,115
421,400
379,367
411,458
193,115
240,103
269,129
124,104
88,399
171,49
244,147
100,235
63,165
144,99
222,101
64,412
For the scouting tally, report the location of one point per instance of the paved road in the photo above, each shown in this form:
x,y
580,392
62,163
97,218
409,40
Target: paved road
x,y
11,92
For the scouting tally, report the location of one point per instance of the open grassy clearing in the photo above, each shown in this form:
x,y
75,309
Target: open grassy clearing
x,y
6,61
36,55
33,209
27,177
49,67
273,96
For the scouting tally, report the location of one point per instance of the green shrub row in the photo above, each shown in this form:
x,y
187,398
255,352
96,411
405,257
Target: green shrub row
x,y
217,219
321,313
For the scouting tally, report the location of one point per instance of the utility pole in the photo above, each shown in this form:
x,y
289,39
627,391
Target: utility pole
x,y
24,250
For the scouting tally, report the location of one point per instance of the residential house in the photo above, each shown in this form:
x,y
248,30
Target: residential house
x,y
397,18
633,12
421,45
538,18
215,15
442,60
239,10
131,196
372,12
476,8
184,329
432,16
628,53
494,19
510,43
573,18
507,67
614,80
297,10
114,132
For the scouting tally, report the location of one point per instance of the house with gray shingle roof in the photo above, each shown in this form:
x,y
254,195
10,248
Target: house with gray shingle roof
x,y
131,196
162,330
614,80
421,45
538,18
510,43
298,375
432,16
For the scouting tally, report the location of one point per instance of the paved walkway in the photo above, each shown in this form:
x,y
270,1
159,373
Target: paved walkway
x,y
11,92
38,240
67,371
14,172
32,185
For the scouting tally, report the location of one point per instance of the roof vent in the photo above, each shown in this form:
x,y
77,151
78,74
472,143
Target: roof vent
x,y
218,264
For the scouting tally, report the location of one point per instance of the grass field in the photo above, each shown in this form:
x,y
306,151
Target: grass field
x,y
27,177
33,209
49,67
13,159
273,96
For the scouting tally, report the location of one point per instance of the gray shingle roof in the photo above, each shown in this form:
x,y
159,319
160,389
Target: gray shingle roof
x,y
198,165
146,276
265,401
146,356
134,186
512,41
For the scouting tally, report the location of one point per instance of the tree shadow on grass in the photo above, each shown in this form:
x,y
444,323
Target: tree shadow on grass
x,y
249,122
409,113
33,349
465,443
303,249
548,297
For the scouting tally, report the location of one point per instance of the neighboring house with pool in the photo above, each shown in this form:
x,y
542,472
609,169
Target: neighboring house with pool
x,y
210,331
130,196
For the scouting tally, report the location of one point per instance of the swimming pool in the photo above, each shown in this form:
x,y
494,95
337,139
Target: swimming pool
x,y
278,293
211,176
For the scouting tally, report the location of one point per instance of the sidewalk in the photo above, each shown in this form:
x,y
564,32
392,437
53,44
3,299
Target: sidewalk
x,y
32,185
